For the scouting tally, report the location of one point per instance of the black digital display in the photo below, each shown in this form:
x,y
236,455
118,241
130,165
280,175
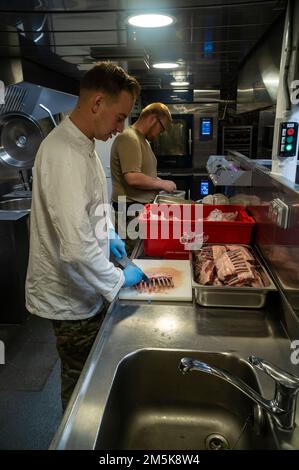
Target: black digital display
x,y
206,128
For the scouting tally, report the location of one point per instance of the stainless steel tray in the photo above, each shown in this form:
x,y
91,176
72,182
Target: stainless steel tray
x,y
233,297
160,199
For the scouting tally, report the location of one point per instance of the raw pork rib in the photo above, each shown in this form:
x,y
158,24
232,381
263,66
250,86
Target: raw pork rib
x,y
158,282
207,273
231,265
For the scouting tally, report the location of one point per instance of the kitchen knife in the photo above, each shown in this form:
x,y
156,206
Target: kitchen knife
x,y
125,261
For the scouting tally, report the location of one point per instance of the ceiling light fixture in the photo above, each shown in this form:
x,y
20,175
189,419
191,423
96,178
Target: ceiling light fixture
x,y
179,83
166,65
150,20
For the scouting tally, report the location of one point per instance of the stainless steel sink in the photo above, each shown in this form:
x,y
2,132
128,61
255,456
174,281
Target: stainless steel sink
x,y
20,204
151,405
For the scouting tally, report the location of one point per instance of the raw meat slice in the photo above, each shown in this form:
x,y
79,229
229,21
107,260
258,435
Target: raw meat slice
x,y
207,273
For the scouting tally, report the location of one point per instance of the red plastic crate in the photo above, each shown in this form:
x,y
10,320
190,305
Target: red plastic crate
x,y
169,244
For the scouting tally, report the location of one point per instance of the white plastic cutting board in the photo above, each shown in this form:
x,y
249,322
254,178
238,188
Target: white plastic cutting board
x,y
179,269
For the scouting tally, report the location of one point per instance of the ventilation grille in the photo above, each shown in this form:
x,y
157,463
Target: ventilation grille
x,y
150,82
136,57
14,98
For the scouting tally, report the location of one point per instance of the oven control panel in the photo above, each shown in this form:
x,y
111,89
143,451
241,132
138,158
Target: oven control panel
x,y
288,139
206,128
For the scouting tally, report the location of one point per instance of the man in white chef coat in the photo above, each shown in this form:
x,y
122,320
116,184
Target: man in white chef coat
x,y
70,279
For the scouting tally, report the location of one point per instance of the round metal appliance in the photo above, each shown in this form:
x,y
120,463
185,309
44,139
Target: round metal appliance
x,y
20,138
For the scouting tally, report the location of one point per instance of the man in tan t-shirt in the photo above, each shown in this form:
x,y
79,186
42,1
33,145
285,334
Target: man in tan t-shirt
x,y
133,163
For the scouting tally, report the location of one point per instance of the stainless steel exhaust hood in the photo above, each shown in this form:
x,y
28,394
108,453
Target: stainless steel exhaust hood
x,y
22,119
26,98
259,75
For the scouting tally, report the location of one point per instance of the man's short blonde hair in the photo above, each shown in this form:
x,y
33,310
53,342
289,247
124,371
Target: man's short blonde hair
x,y
158,109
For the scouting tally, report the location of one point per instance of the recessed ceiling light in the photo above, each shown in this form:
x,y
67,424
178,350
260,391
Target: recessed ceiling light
x,y
150,21
166,65
179,83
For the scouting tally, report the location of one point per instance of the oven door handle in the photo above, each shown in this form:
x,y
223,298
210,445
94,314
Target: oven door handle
x,y
190,141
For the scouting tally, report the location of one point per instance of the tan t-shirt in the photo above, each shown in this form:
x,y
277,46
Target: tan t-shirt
x,y
131,152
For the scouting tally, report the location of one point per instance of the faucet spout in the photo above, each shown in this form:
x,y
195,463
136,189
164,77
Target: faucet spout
x,y
279,407
188,364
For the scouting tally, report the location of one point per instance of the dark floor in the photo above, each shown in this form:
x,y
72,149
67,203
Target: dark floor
x,y
30,406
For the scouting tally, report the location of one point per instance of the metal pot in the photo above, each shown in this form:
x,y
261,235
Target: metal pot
x,y
18,205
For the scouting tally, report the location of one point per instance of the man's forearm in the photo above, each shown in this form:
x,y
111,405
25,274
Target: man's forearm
x,y
142,181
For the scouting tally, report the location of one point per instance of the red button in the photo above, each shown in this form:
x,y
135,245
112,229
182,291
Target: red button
x,y
290,131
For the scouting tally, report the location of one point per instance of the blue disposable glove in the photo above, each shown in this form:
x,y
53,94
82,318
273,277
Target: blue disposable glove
x,y
133,275
117,246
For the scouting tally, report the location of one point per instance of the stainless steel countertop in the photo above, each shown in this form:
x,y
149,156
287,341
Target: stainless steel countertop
x,y
130,326
12,215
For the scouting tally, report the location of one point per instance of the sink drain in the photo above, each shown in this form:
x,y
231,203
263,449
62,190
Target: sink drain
x,y
216,442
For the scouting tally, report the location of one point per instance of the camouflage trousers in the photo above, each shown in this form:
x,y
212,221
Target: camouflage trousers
x,y
74,340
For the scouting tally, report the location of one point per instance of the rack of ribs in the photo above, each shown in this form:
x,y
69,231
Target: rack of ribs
x,y
241,251
231,265
157,283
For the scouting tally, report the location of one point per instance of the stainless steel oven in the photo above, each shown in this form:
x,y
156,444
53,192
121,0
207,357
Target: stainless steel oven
x,y
174,148
192,139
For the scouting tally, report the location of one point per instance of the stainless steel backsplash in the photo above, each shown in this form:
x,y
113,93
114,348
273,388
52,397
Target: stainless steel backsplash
x,y
278,246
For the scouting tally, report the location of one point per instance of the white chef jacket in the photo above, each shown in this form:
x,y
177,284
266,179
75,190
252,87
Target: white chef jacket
x,y
69,271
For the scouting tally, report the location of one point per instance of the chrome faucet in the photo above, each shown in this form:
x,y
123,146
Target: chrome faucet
x,y
282,407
